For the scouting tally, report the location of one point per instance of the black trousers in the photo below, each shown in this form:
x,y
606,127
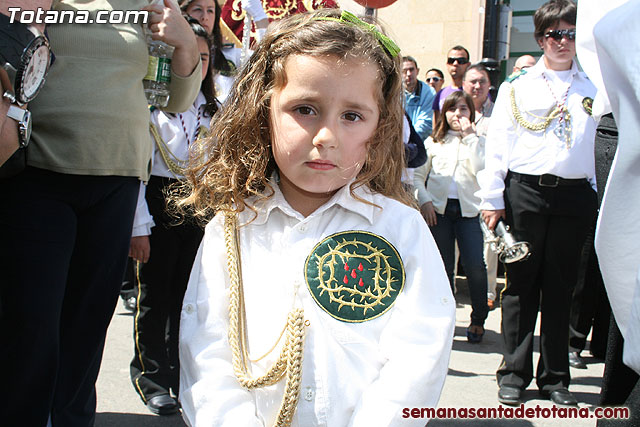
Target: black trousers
x,y
163,281
63,249
555,221
589,305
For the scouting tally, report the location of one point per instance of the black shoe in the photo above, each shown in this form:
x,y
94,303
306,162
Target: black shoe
x,y
474,334
561,396
163,405
509,395
575,361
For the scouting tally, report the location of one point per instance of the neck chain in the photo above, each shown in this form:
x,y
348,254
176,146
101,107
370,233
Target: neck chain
x,y
563,131
196,133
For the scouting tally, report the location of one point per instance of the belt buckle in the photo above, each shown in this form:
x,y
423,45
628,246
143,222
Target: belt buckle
x,y
549,181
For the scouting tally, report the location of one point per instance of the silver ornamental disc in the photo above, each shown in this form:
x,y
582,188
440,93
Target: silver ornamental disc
x,y
560,131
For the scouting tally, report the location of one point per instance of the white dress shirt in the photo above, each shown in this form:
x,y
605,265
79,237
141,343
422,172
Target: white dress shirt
x,y
510,146
353,374
456,161
174,130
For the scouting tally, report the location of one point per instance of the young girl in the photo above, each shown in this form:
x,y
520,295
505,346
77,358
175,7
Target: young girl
x,y
168,249
448,203
308,304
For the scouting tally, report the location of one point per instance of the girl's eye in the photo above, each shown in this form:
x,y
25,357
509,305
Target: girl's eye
x,y
304,110
352,117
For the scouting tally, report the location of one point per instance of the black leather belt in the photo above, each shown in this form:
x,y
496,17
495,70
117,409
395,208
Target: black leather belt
x,y
547,180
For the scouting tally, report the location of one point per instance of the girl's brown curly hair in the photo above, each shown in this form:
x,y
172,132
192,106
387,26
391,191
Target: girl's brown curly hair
x,y
236,161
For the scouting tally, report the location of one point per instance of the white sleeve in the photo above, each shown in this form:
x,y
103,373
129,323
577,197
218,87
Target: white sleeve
x,y
499,136
420,177
210,394
142,221
254,7
417,340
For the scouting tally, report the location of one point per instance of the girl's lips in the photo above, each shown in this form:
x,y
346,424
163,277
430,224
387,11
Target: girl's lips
x,y
320,164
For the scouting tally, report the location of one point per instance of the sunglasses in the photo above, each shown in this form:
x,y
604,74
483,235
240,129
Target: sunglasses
x,y
433,79
557,35
460,61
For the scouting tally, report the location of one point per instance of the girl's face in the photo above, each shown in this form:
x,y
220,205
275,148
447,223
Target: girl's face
x,y
457,112
204,11
321,122
558,54
203,48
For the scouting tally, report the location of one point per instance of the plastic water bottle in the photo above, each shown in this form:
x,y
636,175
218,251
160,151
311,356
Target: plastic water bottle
x,y
156,82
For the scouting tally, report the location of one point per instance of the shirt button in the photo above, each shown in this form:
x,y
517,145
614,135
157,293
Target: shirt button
x,y
445,301
188,308
308,394
302,228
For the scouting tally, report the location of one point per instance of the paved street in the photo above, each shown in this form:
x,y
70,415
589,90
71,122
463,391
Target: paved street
x,y
470,383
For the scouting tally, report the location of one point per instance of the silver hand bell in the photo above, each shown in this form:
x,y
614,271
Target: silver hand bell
x,y
504,244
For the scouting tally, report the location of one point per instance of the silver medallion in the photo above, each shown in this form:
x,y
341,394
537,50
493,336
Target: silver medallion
x,y
560,131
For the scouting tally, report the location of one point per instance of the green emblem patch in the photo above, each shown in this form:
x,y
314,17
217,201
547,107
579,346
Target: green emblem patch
x,y
354,275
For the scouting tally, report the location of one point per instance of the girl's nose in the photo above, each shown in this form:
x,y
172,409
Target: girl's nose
x,y
325,137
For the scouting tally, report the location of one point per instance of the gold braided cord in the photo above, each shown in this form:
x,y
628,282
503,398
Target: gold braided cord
x,y
540,126
289,362
166,154
174,164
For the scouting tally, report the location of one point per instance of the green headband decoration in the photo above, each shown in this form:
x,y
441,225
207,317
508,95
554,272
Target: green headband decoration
x,y
349,18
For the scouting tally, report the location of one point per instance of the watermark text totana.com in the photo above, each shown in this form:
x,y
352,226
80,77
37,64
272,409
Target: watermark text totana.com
x,y
42,16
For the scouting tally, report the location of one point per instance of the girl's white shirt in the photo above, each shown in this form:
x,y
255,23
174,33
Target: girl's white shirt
x,y
174,134
354,374
454,161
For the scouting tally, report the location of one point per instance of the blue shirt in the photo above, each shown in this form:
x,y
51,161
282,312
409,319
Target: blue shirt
x,y
418,106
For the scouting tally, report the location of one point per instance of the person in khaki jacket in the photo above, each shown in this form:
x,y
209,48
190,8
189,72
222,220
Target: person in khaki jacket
x,y
445,188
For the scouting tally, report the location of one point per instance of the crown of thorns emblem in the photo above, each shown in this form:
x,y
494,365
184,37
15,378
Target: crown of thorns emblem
x,y
354,276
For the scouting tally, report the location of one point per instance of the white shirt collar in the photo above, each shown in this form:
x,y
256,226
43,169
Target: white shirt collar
x,y
540,67
341,198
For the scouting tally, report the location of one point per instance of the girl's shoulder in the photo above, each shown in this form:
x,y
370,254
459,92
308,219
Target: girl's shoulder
x,y
392,209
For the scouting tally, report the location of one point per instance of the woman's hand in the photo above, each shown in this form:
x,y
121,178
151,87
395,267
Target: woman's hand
x,y
466,127
167,24
140,248
429,214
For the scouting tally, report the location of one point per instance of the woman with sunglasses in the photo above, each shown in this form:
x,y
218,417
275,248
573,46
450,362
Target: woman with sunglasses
x,y
435,79
539,178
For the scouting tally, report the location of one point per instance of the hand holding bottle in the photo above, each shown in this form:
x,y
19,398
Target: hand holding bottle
x,y
167,24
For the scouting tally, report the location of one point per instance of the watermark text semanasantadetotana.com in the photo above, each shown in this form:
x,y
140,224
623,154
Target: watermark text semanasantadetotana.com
x,y
42,16
519,412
